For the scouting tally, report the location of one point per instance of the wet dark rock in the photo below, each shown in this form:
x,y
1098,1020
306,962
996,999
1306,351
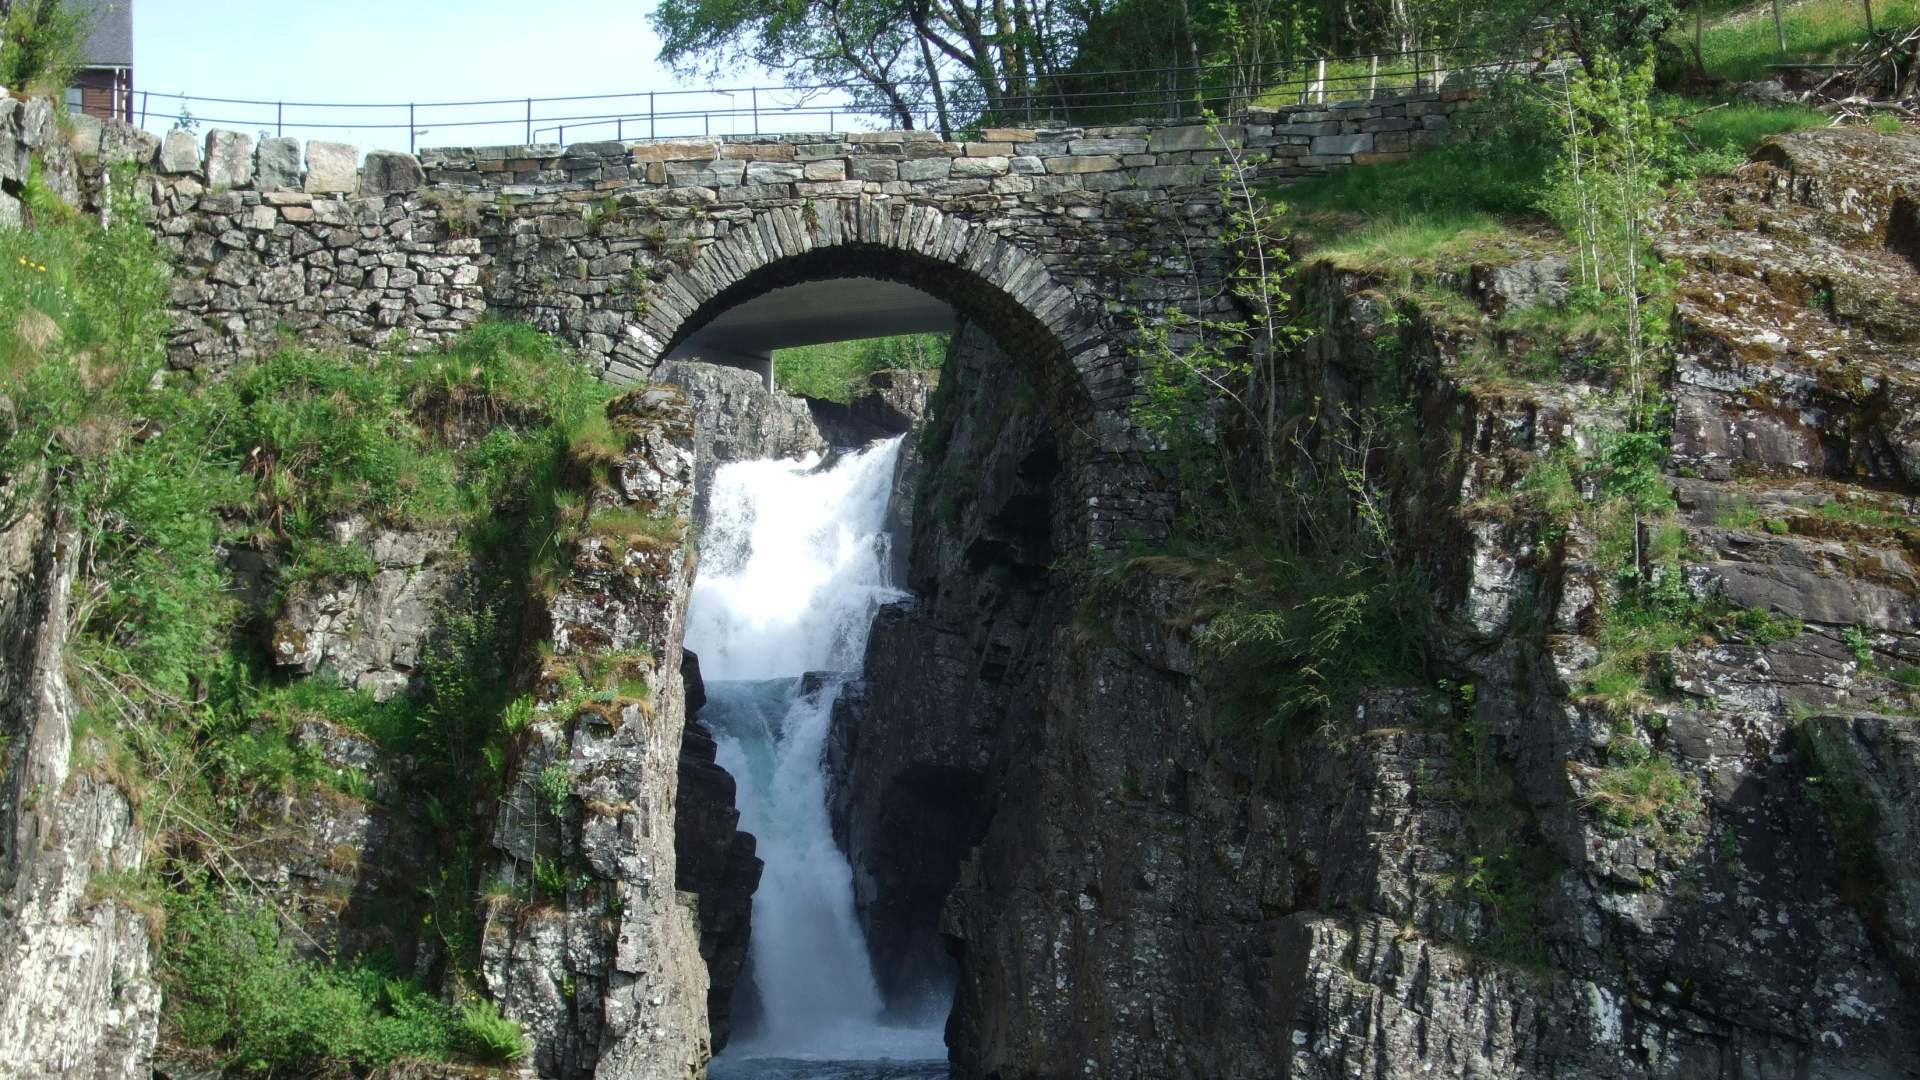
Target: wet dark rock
x,y
715,860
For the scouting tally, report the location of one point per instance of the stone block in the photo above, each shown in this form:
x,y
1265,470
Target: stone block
x,y
892,136
1392,142
277,165
988,149
1348,145
977,168
1077,163
229,159
757,151
1027,165
179,153
774,172
1170,176
827,169
1197,137
1085,147
390,173
1009,135
925,169
1391,123
876,169
677,150
122,142
83,134
697,174
332,168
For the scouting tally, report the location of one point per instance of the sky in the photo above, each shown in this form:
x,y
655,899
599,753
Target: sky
x,y
380,51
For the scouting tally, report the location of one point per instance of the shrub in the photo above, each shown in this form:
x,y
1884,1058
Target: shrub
x,y
492,1036
1306,637
555,787
42,45
236,986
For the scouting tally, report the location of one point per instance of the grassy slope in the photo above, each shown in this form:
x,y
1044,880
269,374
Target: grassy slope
x,y
1740,44
833,372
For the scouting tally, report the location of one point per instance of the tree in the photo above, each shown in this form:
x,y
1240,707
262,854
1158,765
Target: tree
x,y
813,42
42,46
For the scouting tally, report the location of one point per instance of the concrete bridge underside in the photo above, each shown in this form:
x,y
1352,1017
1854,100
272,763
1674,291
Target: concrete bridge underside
x,y
814,313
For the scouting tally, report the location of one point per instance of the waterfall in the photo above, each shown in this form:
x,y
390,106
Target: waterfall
x,y
793,566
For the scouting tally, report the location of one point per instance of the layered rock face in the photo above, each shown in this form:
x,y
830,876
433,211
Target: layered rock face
x,y
1156,895
912,743
605,969
81,999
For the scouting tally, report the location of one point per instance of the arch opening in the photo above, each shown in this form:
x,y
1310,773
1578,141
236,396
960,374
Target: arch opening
x,y
1000,512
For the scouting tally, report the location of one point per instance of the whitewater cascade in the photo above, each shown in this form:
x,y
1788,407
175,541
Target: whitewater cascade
x,y
793,567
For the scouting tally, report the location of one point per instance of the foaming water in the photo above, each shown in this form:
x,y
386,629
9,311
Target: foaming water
x,y
793,565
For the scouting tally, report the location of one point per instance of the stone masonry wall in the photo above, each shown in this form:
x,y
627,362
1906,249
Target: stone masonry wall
x,y
1050,240
279,238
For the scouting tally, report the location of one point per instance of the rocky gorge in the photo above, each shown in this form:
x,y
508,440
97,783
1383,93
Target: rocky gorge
x,y
1055,812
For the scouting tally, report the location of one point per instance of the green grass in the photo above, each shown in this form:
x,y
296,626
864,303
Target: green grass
x,y
835,372
1397,241
1648,797
1710,139
1435,205
237,988
1865,514
1740,46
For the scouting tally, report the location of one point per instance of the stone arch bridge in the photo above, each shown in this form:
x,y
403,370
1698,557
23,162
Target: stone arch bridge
x,y
725,248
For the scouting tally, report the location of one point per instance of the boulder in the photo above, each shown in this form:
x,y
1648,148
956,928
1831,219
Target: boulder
x,y
389,173
332,168
229,159
279,165
122,142
179,153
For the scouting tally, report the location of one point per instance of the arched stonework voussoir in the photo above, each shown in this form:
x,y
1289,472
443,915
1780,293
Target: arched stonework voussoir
x,y
989,279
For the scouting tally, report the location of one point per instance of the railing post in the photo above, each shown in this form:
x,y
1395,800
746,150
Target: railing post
x,y
413,130
529,121
755,91
1320,82
1373,76
280,118
146,98
620,129
563,134
651,133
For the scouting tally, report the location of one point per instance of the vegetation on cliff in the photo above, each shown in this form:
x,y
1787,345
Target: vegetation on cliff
x,y
165,474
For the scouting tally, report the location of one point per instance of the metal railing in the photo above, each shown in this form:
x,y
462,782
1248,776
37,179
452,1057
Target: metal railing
x,y
1153,94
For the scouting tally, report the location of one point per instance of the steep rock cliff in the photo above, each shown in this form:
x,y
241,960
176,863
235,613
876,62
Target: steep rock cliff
x,y
596,949
1429,882
81,999
913,742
